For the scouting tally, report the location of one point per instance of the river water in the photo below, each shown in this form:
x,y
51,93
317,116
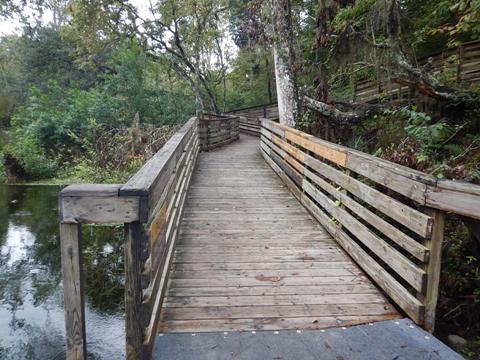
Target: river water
x,y
31,294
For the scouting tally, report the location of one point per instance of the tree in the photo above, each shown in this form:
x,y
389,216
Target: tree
x,y
188,34
285,62
381,38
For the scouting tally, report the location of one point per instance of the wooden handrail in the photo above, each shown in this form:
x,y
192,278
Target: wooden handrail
x,y
218,130
466,69
150,205
249,108
250,117
389,218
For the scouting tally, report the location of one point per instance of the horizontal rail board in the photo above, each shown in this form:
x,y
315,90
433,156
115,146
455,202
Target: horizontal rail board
x,y
151,179
411,218
97,203
361,200
218,130
459,62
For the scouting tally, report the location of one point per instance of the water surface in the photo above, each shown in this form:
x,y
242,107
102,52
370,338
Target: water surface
x,y
31,294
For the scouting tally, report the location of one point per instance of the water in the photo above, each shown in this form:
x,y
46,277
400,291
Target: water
x,y
31,294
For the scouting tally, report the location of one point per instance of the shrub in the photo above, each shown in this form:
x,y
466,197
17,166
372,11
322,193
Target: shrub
x,y
33,159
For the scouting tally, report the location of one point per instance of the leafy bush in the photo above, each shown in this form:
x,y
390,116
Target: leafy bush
x,y
3,170
32,157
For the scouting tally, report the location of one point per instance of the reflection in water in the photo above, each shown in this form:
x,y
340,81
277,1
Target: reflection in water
x,y
31,300
17,241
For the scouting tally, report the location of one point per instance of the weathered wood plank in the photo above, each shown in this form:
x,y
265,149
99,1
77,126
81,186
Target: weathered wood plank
x,y
230,247
463,199
385,174
133,291
207,274
151,179
234,291
331,152
412,246
414,275
405,215
294,188
97,203
262,282
172,233
246,324
433,268
73,290
276,311
300,265
201,301
402,297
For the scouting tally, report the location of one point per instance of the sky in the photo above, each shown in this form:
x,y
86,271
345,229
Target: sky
x,y
13,26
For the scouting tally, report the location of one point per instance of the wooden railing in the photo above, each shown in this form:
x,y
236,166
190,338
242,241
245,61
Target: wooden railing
x,y
387,217
461,63
218,130
250,117
150,205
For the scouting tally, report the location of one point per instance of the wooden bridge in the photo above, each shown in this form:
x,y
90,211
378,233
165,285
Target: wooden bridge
x,y
276,231
460,64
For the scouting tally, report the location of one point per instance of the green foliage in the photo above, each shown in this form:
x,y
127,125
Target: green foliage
x,y
33,157
57,125
248,81
353,15
3,170
305,121
468,14
431,135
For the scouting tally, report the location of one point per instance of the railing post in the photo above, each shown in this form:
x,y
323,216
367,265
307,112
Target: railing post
x,y
73,285
133,291
433,268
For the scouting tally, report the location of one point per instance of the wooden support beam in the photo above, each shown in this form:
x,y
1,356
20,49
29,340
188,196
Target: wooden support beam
x,y
133,291
433,268
73,285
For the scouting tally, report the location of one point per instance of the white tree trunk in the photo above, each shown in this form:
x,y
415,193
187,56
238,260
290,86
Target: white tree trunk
x,y
285,91
284,58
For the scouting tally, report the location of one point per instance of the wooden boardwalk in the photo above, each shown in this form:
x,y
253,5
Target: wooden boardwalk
x,y
219,239
250,257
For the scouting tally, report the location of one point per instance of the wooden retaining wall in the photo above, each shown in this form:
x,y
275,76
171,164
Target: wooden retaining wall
x,y
461,64
387,217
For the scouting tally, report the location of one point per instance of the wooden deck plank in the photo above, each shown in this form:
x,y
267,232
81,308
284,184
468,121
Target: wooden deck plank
x,y
275,311
249,324
273,290
249,256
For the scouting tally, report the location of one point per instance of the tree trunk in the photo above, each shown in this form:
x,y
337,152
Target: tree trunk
x,y
285,63
269,79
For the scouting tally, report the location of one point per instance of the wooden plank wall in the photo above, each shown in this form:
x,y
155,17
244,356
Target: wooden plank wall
x,y
377,211
218,130
462,62
163,182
